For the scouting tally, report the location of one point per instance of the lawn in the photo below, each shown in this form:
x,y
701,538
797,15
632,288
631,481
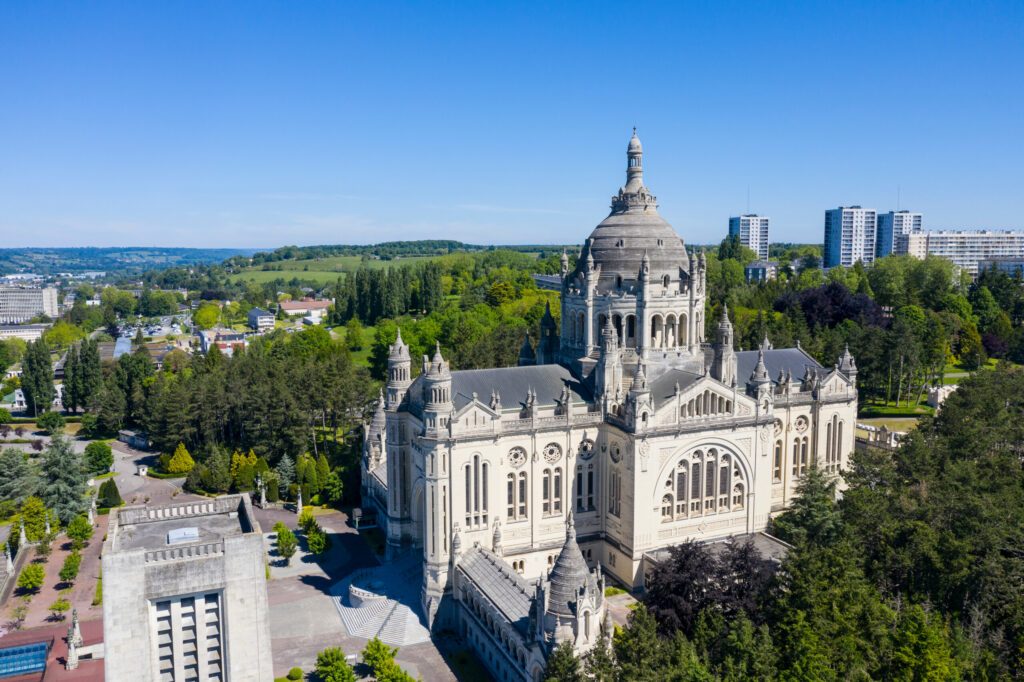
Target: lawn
x,y
890,410
322,271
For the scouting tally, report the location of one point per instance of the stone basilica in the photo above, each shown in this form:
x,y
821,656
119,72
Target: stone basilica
x,y
619,435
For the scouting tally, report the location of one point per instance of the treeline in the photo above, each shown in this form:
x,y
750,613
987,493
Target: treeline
x,y
915,574
372,293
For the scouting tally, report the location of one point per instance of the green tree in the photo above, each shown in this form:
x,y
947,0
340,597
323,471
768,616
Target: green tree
x,y
64,481
331,666
921,649
5,416
69,571
33,515
59,607
79,531
62,335
181,461
638,649
286,544
51,422
814,516
108,495
71,393
206,316
376,655
31,578
563,666
334,488
354,335
18,479
37,377
99,457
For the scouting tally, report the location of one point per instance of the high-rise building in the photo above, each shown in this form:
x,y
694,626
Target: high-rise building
x,y
849,236
966,248
752,230
185,593
892,225
18,304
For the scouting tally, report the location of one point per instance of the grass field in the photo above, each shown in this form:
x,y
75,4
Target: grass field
x,y
321,270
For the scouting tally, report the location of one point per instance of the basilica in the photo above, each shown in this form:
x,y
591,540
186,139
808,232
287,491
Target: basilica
x,y
622,432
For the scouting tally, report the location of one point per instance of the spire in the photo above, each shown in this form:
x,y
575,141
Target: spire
x,y
526,354
639,380
760,373
399,350
438,358
548,320
564,263
766,344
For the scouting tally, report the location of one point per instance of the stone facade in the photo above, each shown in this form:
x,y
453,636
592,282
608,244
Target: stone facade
x,y
625,418
184,593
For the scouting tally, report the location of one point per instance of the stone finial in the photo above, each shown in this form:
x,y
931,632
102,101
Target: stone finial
x,y
71,663
298,504
8,561
496,539
76,629
22,538
48,529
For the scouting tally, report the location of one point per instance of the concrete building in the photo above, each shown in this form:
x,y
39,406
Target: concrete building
x,y
892,225
619,434
306,307
184,594
849,236
18,304
966,248
761,270
261,320
752,229
26,332
1014,267
226,340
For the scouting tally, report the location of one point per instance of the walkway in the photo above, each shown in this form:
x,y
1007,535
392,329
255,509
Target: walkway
x,y
389,607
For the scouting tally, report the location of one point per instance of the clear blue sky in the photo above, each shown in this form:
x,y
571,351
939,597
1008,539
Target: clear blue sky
x,y
261,124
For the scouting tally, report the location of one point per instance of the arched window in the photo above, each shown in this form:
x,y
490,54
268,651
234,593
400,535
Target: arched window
x,y
522,495
557,505
590,486
666,508
510,488
799,456
777,462
545,491
710,489
615,493
579,488
476,492
665,281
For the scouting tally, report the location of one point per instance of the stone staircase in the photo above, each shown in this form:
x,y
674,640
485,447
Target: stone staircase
x,y
394,617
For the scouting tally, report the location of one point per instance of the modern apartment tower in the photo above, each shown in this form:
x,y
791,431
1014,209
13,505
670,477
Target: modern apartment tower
x,y
966,248
185,594
893,225
849,236
20,304
753,232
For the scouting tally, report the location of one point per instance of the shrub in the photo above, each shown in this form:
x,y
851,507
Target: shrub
x,y
109,496
51,422
306,520
377,654
331,666
31,578
5,416
279,526
79,531
295,674
286,545
99,457
181,462
69,571
59,608
317,540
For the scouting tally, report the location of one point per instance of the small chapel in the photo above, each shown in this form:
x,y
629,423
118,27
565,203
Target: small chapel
x,y
621,433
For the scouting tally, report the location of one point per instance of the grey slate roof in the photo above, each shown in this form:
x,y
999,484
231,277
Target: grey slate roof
x,y
663,387
513,383
792,360
506,589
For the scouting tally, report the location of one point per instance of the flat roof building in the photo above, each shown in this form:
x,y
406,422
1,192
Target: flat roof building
x,y
849,236
752,229
184,593
966,248
892,225
20,304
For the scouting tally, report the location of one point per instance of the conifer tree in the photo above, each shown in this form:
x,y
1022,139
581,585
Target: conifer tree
x,y
64,481
563,666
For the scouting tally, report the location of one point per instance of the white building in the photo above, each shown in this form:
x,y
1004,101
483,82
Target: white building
x,y
18,304
27,332
966,248
185,595
620,434
849,236
752,230
261,320
892,225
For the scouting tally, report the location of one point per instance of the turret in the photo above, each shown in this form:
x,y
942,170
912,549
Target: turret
x,y
547,348
376,431
437,391
847,365
639,400
723,366
608,372
564,264
759,385
399,372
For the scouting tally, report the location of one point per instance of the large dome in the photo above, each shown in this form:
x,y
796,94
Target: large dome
x,y
632,229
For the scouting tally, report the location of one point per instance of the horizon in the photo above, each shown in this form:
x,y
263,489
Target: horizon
x,y
318,125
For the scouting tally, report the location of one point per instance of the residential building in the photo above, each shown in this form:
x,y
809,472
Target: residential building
x,y
27,332
184,593
752,229
19,304
306,307
892,225
622,432
966,248
761,270
1014,267
226,340
849,236
261,320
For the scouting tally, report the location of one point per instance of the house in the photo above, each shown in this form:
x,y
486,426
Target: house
x,y
227,340
14,402
761,270
261,320
307,307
